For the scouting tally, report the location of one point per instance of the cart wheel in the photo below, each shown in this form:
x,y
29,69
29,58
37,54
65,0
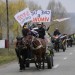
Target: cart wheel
x,y
52,61
64,48
49,62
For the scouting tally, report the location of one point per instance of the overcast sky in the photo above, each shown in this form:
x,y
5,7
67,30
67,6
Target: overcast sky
x,y
68,4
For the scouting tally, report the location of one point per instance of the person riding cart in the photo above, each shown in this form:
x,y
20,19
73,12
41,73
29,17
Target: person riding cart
x,y
25,30
56,36
56,32
41,30
69,41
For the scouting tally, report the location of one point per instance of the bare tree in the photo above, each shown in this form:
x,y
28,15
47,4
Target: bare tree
x,y
58,12
33,6
14,7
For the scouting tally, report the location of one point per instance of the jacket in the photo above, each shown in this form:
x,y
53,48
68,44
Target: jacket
x,y
41,32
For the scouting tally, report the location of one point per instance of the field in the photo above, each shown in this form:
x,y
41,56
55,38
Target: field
x,y
7,56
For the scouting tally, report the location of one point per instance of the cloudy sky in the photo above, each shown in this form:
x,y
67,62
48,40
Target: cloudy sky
x,y
68,4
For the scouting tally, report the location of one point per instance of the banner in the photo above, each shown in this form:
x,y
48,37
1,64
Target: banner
x,y
23,16
62,19
41,16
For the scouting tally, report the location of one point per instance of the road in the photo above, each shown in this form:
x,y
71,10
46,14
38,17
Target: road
x,y
64,64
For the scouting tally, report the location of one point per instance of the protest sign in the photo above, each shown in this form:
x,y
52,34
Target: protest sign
x,y
23,16
41,16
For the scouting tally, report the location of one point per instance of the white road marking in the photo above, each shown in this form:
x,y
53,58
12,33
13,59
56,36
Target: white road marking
x,y
65,58
70,53
56,66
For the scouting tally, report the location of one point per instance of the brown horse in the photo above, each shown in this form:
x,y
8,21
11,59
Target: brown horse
x,y
22,51
39,46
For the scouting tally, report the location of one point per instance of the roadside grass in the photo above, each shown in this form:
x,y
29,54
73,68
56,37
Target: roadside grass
x,y
7,56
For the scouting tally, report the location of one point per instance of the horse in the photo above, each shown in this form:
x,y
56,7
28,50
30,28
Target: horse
x,y
22,52
38,47
28,44
39,50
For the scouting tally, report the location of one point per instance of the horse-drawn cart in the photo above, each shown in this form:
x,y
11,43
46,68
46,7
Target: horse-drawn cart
x,y
26,55
59,42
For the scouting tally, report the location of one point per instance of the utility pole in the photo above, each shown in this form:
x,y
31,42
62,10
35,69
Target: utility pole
x,y
7,24
0,29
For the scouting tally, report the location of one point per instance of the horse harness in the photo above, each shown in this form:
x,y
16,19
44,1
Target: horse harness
x,y
37,47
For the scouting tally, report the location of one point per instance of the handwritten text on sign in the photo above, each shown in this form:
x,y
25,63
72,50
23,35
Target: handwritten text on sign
x,y
41,15
23,16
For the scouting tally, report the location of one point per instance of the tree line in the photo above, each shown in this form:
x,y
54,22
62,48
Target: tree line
x,y
58,11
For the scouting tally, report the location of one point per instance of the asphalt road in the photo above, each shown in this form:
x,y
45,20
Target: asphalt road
x,y
64,64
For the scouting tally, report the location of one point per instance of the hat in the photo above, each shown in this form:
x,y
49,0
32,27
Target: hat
x,y
24,26
25,23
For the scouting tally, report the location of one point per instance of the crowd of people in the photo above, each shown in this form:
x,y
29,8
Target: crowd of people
x,y
40,31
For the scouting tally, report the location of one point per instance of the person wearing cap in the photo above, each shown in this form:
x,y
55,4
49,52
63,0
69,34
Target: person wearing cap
x,y
56,32
25,30
41,31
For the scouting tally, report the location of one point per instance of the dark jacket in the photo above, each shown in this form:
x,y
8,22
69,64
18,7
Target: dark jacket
x,y
25,31
41,32
56,32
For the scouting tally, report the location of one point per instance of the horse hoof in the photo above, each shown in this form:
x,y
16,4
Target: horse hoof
x,y
20,70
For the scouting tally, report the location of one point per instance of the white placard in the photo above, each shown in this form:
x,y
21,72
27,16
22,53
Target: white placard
x,y
41,16
23,16
2,43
